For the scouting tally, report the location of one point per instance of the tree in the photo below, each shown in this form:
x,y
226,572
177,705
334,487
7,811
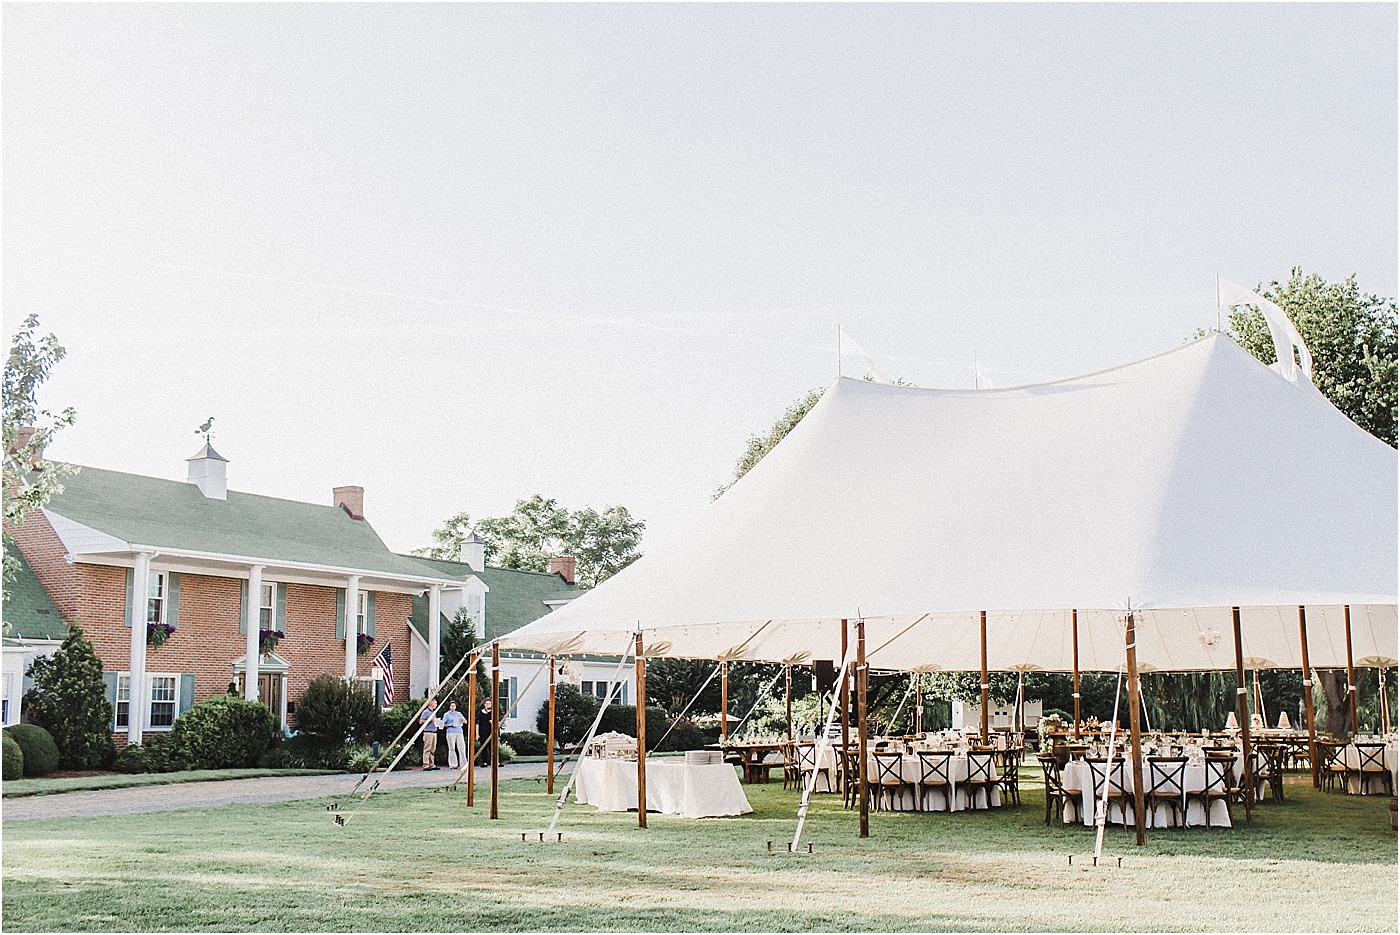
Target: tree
x,y
539,528
457,640
29,480
69,700
762,443
1352,338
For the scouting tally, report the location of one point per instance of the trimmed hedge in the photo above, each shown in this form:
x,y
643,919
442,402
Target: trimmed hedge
x,y
336,711
14,759
40,752
525,742
157,755
224,732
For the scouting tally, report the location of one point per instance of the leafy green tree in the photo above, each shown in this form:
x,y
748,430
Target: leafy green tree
x,y
539,528
573,715
29,480
69,700
458,639
762,443
1352,338
335,711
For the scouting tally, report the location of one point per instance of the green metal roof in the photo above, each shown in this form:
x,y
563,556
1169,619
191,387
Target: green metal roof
x,y
515,599
175,515
29,611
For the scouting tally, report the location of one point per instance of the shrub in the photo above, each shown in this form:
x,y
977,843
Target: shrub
x,y
573,715
526,742
158,755
14,759
336,711
40,752
392,720
359,758
69,699
685,735
622,718
224,731
507,752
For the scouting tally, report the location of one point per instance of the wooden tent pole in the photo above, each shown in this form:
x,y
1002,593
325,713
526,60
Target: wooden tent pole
x,y
845,705
918,702
641,662
787,674
1308,696
1242,699
986,686
549,740
1135,724
1351,673
471,735
1074,634
495,730
862,686
723,702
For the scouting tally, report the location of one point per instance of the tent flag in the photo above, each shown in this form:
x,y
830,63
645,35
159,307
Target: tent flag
x,y
1194,481
1281,329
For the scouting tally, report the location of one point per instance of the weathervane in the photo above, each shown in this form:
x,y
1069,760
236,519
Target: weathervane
x,y
204,429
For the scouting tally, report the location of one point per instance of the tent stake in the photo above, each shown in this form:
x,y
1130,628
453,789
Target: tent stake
x,y
1242,697
549,740
862,686
1074,633
641,733
1351,673
1135,726
986,686
495,730
1307,697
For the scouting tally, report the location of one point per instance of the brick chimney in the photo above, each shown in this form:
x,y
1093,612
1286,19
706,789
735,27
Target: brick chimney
x,y
351,500
564,566
25,434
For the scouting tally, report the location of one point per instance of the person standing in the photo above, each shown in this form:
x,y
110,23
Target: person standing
x,y
452,723
430,725
483,731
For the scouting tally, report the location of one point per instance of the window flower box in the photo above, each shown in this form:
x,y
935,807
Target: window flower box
x,y
363,642
268,640
158,634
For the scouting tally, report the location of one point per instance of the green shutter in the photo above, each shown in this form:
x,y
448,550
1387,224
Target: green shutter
x,y
369,613
340,613
280,613
186,692
130,580
243,606
172,598
110,679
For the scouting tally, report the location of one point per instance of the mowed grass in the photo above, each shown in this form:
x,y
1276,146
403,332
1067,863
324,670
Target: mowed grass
x,y
418,859
52,786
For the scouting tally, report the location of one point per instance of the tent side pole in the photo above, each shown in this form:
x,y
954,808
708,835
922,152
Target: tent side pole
x,y
844,689
471,736
1135,725
1351,674
1074,636
986,686
641,670
1308,696
862,686
1242,699
724,702
495,730
549,740
788,675
918,702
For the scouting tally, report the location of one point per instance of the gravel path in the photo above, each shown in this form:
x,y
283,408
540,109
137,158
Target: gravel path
x,y
227,792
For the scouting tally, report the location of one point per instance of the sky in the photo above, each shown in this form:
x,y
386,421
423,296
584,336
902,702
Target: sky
x,y
463,254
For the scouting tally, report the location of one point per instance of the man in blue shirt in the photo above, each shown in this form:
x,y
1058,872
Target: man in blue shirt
x,y
429,721
452,723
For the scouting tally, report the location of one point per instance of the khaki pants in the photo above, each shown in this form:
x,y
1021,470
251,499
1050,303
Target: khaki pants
x,y
429,748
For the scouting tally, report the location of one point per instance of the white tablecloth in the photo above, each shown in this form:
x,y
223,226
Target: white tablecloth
x,y
673,787
1076,777
901,799
1374,779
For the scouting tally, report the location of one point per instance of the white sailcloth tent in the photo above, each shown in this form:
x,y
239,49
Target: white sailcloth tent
x,y
1179,486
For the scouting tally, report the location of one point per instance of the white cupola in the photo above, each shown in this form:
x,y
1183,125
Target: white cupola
x,y
209,472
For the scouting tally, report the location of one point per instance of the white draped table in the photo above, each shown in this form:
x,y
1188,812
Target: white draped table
x,y
1077,778
937,798
1374,779
674,787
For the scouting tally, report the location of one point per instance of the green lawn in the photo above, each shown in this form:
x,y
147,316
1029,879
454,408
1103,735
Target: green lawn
x,y
22,787
417,859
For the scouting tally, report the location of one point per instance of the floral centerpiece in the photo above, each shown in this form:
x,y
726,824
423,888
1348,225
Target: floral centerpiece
x,y
1050,724
157,634
268,640
363,641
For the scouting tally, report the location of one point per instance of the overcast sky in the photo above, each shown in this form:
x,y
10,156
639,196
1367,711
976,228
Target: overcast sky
x,y
464,254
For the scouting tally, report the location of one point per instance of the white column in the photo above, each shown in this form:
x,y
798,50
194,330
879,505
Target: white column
x,y
352,628
253,623
434,635
140,696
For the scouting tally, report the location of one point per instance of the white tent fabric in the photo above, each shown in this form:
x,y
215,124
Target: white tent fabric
x,y
1179,486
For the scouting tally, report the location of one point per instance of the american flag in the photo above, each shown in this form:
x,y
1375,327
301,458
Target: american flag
x,y
385,661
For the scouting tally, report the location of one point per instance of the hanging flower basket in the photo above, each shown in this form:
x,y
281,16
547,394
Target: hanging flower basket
x,y
363,642
268,640
157,634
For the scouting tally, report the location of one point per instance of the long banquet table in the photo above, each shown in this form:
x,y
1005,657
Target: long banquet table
x,y
1373,779
1077,778
902,798
674,787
